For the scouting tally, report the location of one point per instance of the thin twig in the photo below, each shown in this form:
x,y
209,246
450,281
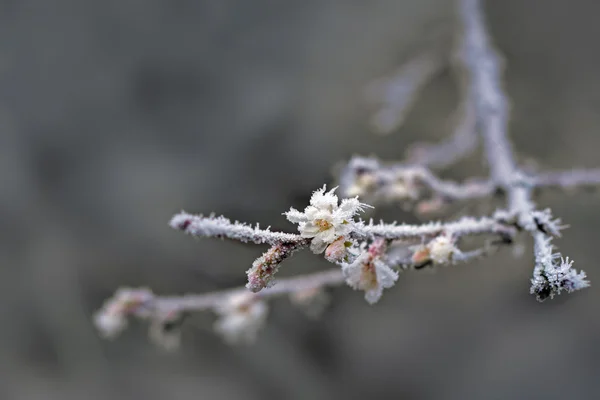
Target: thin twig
x,y
200,302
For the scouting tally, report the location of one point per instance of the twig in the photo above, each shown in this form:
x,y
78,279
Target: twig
x,y
211,226
200,302
398,93
483,64
568,179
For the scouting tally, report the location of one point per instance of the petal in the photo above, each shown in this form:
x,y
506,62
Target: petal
x,y
308,230
324,201
328,235
318,246
386,277
350,207
295,216
372,296
311,212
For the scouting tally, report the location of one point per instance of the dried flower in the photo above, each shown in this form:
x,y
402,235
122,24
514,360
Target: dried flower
x,y
241,317
324,220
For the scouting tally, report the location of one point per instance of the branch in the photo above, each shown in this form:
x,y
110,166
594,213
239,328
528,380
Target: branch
x,y
377,182
369,256
466,226
221,227
568,179
483,64
397,93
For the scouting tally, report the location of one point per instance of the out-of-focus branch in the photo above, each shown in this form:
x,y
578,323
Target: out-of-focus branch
x,y
378,182
397,94
570,179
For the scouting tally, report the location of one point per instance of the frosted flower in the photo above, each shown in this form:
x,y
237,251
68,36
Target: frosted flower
x,y
241,317
324,220
369,274
111,319
441,249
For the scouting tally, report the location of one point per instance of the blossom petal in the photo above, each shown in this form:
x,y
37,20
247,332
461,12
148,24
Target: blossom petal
x,y
328,235
295,216
317,245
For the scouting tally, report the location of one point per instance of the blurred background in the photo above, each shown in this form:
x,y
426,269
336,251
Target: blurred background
x,y
114,115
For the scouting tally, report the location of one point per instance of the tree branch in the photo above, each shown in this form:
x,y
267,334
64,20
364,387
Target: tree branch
x,y
483,64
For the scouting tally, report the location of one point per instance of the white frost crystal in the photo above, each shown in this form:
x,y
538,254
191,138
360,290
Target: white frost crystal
x,y
324,220
241,317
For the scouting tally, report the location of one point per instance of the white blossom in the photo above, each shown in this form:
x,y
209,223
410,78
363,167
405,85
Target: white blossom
x,y
324,220
111,319
369,274
241,318
110,322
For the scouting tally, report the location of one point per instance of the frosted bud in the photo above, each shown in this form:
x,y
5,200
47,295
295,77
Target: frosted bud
x,y
441,249
336,251
421,256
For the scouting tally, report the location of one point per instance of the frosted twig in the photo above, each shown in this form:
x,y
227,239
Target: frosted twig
x,y
484,66
200,302
397,182
569,179
198,225
378,182
466,226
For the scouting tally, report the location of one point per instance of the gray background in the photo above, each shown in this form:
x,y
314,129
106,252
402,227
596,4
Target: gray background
x,y
115,114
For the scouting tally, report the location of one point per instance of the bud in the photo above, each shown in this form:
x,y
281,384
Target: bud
x,y
336,251
441,249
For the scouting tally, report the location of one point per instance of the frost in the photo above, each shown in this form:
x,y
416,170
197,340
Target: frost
x,y
553,273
